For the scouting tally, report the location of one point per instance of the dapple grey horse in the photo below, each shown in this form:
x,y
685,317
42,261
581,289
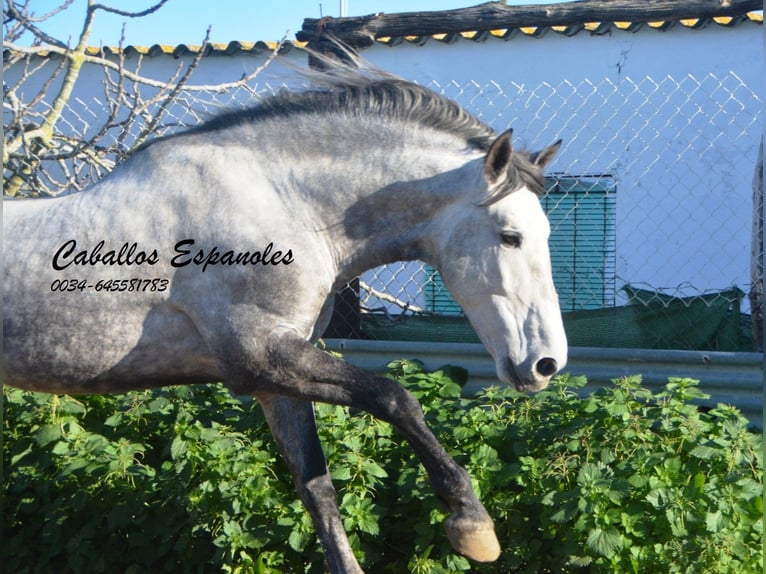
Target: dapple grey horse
x,y
214,255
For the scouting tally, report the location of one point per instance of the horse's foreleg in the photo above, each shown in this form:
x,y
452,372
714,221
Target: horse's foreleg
x,y
292,424
297,369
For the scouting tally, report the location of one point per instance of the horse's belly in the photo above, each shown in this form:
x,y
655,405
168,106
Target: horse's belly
x,y
80,351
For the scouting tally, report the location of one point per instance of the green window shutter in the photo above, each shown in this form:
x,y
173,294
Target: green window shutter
x,y
581,211
438,298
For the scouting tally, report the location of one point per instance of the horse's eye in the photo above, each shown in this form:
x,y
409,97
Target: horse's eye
x,y
511,239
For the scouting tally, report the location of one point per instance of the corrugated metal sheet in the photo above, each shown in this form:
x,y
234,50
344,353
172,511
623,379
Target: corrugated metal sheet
x,y
731,378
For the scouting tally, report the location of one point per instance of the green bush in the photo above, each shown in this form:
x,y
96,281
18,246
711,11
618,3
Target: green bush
x,y
187,480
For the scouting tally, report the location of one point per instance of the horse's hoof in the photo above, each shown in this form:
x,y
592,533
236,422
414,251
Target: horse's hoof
x,y
473,539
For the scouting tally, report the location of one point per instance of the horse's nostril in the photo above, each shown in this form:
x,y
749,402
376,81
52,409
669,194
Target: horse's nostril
x,y
547,366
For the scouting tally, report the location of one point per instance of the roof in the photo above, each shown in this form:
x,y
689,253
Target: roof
x,y
498,20
218,48
492,20
176,51
596,27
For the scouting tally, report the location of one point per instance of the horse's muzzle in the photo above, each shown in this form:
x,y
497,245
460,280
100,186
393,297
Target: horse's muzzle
x,y
537,380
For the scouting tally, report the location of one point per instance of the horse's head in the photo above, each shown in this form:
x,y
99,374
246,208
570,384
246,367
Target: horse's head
x,y
493,255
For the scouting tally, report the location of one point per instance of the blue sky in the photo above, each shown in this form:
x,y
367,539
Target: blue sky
x,y
185,21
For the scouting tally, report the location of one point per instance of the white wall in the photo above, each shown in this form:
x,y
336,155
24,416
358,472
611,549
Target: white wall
x,y
87,106
683,161
647,107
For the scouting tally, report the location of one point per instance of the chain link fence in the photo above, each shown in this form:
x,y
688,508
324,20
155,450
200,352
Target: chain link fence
x,y
650,203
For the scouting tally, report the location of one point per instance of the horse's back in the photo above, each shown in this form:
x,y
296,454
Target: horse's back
x,y
87,306
93,301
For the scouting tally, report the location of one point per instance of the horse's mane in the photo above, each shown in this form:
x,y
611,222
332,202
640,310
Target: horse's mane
x,y
363,92
360,90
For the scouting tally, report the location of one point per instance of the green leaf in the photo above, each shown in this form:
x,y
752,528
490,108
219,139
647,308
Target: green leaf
x,y
48,434
72,467
714,521
178,448
749,488
341,473
368,523
617,410
485,460
665,490
589,473
676,523
15,459
374,469
298,540
159,404
402,367
638,481
563,514
604,542
579,561
70,406
114,420
463,432
591,406
706,452
61,448
450,390
260,566
699,481
457,563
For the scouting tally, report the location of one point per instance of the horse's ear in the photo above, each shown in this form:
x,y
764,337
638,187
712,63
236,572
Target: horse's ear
x,y
544,157
498,158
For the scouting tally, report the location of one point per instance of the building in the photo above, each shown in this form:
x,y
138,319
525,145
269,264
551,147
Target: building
x,y
661,117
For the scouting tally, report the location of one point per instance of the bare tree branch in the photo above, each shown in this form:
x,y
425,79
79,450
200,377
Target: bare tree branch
x,y
26,21
127,14
372,292
175,88
44,17
43,152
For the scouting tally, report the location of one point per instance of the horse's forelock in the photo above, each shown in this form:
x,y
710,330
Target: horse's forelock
x,y
522,173
528,174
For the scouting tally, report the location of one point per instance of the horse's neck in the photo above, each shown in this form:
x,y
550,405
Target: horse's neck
x,y
387,215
